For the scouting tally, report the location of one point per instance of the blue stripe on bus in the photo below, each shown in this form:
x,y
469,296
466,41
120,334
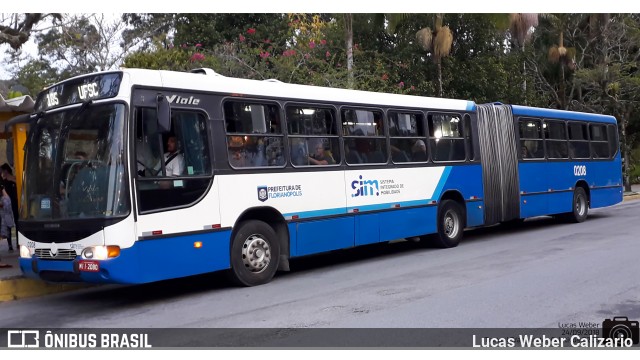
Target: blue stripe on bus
x,y
316,213
471,106
443,179
561,114
390,205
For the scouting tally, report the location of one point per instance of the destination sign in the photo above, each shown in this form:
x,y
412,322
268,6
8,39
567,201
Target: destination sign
x,y
74,91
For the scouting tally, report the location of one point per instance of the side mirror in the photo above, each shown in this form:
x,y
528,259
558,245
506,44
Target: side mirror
x,y
164,114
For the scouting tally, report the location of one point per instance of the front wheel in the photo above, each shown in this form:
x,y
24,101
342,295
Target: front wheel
x,y
450,225
255,253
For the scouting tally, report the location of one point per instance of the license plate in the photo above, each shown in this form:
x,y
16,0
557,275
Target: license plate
x,y
89,265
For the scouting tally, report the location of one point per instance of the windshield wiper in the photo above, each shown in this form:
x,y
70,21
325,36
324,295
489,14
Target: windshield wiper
x,y
85,105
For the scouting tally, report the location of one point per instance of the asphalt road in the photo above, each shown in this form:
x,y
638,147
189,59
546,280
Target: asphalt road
x,y
537,275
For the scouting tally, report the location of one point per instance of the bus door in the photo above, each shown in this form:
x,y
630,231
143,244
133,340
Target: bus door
x,y
498,150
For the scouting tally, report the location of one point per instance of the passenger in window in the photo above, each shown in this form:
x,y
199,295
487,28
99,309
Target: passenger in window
x,y
319,156
397,155
419,151
173,159
299,154
255,152
525,152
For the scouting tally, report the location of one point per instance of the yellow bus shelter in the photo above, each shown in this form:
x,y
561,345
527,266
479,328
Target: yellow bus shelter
x,y
10,108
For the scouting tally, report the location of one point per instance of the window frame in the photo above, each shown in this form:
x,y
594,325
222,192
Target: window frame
x,y
548,140
337,136
540,139
588,140
601,142
205,179
461,126
421,124
228,135
383,137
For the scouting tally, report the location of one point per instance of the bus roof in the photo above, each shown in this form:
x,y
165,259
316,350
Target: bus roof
x,y
561,114
218,83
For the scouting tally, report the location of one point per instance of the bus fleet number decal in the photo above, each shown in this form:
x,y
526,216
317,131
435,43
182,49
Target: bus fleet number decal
x,y
580,170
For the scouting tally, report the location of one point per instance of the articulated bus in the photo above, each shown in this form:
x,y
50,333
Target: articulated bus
x,y
270,171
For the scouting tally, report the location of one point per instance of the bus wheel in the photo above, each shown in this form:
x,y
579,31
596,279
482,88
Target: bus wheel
x,y
450,225
580,206
255,253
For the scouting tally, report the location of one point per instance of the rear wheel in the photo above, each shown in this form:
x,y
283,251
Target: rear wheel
x,y
450,225
255,253
580,206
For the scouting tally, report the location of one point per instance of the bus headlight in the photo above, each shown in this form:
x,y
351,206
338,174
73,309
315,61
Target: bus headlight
x,y
101,252
25,252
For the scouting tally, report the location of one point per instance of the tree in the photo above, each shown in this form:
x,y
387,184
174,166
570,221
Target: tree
x,y
36,75
348,41
520,26
307,53
15,29
612,83
438,42
149,30
553,73
84,43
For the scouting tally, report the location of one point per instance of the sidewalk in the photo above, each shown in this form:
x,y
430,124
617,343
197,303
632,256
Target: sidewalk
x,y
14,286
634,194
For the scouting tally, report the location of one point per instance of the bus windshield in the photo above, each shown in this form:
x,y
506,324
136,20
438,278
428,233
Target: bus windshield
x,y
75,159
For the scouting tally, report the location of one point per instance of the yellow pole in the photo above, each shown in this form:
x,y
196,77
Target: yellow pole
x,y
19,139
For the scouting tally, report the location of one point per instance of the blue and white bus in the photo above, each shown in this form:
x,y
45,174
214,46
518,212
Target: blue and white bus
x,y
270,171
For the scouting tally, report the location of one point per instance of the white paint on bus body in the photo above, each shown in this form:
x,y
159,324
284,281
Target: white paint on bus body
x,y
316,194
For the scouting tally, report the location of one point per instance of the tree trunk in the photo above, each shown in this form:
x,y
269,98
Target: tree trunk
x,y
563,97
524,76
348,25
625,152
439,67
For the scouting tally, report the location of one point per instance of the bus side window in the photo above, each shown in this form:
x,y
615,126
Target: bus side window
x,y
313,135
155,193
531,139
254,134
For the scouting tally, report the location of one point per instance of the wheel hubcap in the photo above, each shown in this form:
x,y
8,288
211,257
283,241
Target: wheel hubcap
x,y
581,205
256,253
451,225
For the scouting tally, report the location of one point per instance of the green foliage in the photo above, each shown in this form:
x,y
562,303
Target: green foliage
x,y
176,59
210,30
14,94
37,75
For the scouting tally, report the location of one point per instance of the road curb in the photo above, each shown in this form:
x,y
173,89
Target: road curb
x,y
19,287
631,197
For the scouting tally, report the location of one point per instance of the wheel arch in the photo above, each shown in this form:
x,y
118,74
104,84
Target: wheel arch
x,y
456,196
273,218
583,184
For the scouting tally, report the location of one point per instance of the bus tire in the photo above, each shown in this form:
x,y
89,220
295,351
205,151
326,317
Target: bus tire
x,y
580,206
255,253
450,225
